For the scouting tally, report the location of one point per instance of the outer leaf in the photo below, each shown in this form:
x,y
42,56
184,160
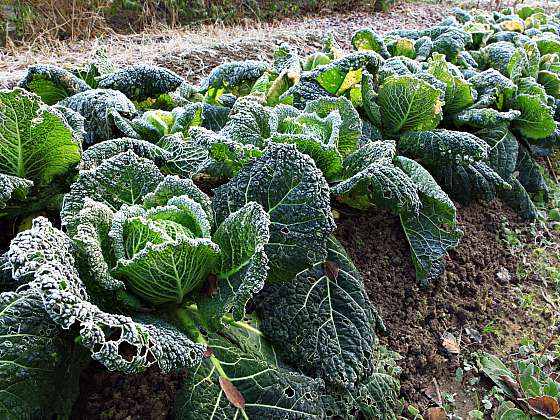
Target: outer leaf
x,y
443,147
242,267
536,120
43,256
334,335
366,39
432,232
52,83
12,186
530,173
504,148
36,143
409,104
98,107
294,193
234,76
139,83
122,179
466,183
379,185
270,391
484,117
519,200
39,366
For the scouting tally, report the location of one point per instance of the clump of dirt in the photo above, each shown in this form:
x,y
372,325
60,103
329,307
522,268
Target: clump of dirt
x,y
476,290
108,395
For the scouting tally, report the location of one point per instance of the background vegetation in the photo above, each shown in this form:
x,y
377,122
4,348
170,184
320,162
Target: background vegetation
x,y
24,20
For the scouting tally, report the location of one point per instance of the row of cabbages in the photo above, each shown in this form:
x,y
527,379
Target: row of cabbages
x,y
246,285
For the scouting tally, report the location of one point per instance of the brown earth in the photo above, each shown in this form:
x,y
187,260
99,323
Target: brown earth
x,y
470,293
479,287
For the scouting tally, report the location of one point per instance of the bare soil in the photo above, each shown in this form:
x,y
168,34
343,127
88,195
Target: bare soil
x,y
479,287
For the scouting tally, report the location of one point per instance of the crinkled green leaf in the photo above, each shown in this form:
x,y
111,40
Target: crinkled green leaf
x,y
98,107
236,77
250,123
382,185
458,93
36,143
494,89
409,104
351,127
52,83
141,82
242,265
290,188
484,117
498,56
366,39
43,256
335,333
167,262
536,120
431,232
338,76
371,152
550,81
12,187
121,179
39,364
443,147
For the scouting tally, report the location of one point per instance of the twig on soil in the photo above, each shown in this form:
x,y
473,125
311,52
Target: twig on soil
x,y
551,169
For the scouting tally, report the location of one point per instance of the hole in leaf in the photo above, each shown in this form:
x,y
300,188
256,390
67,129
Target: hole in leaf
x,y
289,392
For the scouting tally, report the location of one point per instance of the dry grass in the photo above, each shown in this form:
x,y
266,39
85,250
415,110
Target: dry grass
x,y
193,52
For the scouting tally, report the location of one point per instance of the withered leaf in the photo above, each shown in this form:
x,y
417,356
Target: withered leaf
x,y
474,334
512,384
210,286
208,352
450,343
331,270
232,393
545,406
433,392
435,413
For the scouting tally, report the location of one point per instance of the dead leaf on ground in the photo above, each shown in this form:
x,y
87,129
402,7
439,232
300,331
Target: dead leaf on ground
x,y
474,334
450,343
435,413
545,406
232,393
433,392
512,384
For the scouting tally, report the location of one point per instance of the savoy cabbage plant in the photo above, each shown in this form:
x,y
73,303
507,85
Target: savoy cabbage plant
x,y
190,227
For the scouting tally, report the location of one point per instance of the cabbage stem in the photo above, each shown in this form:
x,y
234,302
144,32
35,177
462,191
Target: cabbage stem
x,y
188,324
